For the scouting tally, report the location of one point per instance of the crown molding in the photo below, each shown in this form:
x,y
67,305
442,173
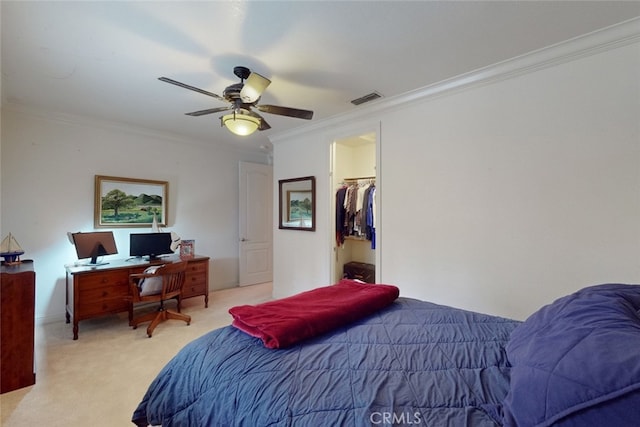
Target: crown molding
x,y
86,121
622,34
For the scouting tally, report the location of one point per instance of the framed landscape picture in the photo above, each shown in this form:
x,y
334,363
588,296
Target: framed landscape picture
x,y
297,204
129,202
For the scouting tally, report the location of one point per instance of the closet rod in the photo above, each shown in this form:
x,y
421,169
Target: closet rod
x,y
360,178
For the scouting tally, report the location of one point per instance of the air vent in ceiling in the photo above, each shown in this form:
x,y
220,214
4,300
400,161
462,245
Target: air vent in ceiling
x,y
368,97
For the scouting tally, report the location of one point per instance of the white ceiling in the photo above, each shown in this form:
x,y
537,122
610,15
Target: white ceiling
x,y
102,60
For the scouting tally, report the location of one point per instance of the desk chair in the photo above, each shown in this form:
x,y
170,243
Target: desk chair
x,y
158,284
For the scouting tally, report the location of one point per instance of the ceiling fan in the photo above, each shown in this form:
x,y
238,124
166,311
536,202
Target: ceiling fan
x,y
241,98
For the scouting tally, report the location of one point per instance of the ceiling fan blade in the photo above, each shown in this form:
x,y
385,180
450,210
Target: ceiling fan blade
x,y
209,111
253,88
195,89
286,111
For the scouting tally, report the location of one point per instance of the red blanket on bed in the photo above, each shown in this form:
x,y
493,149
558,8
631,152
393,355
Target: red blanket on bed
x,y
286,321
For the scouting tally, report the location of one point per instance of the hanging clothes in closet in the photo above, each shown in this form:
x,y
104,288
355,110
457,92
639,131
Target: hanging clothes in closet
x,y
355,210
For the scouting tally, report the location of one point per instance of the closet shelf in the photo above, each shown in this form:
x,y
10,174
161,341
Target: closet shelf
x,y
356,238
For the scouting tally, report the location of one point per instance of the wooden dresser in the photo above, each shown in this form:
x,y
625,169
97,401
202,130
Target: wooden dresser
x,y
94,291
18,295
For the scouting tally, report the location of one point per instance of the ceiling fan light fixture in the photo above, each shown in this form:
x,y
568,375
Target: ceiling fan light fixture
x,y
241,99
240,124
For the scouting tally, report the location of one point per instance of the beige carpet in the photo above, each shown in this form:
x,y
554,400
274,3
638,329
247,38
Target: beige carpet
x,y
99,379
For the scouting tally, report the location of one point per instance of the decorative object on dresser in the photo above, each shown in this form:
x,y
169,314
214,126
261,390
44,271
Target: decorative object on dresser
x,y
98,291
10,250
17,321
130,202
170,279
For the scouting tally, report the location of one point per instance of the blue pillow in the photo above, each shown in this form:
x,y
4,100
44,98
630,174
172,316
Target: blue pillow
x,y
576,362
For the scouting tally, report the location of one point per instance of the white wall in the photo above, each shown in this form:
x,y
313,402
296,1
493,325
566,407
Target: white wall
x,y
297,260
48,168
499,196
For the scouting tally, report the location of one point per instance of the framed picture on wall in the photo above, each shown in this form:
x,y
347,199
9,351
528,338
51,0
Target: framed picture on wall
x,y
297,204
129,202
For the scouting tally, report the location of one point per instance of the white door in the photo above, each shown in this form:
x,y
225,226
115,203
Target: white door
x,y
256,223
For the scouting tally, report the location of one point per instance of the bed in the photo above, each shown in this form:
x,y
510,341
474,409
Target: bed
x,y
410,362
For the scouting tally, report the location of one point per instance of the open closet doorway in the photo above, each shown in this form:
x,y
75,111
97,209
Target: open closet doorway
x,y
355,208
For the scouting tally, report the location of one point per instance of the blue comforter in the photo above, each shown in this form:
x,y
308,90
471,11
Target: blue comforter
x,y
576,362
412,363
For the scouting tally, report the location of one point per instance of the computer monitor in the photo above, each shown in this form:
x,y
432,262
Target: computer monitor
x,y
150,245
94,244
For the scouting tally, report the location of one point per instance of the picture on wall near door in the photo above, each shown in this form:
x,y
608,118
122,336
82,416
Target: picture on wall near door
x,y
129,202
298,203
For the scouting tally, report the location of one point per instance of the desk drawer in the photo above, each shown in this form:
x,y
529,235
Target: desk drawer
x,y
97,281
101,307
192,290
114,290
196,280
102,293
195,268
195,285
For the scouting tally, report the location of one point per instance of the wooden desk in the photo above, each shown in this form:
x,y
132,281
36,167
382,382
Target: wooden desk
x,y
94,291
18,296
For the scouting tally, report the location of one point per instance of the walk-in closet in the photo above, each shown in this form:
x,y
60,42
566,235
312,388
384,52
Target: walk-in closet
x,y
355,207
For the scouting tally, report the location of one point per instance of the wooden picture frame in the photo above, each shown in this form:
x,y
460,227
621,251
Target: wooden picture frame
x,y
129,202
297,204
187,248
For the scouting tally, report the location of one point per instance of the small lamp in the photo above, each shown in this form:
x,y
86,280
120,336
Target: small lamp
x,y
240,124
